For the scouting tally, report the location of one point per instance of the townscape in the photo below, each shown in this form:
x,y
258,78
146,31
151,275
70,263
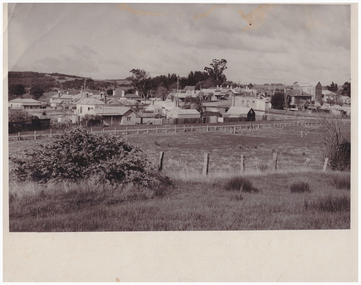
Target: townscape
x,y
205,140
166,102
180,142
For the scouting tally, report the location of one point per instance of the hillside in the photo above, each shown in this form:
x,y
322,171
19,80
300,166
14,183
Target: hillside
x,y
20,82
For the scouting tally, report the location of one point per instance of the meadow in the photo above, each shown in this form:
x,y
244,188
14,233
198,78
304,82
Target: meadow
x,y
276,200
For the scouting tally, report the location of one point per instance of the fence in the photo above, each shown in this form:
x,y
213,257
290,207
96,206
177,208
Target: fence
x,y
242,163
253,127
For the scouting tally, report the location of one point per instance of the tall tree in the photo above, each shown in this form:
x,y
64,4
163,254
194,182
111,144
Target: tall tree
x,y
36,91
216,70
16,89
346,89
141,81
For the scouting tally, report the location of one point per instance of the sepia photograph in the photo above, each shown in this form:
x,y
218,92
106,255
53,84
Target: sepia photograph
x,y
200,118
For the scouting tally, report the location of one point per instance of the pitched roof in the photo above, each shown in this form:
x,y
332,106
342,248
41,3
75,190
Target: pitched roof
x,y
186,111
190,88
238,110
90,101
25,101
111,110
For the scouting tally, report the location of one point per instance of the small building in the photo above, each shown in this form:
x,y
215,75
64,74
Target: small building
x,y
116,115
178,113
24,104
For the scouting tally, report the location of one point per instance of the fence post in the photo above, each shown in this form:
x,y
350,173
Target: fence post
x,y
160,166
242,163
34,135
138,131
103,131
207,128
234,129
325,164
126,130
307,162
19,136
91,130
115,130
184,128
156,130
206,164
175,128
147,130
51,131
301,134
275,160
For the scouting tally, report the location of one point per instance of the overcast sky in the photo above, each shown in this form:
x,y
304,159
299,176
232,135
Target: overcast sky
x,y
262,43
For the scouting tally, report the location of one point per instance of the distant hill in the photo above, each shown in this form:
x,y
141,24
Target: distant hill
x,y
24,80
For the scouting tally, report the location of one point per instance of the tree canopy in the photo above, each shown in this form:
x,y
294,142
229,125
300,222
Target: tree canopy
x,y
216,71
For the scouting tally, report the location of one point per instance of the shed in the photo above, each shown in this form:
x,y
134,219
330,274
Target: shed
x,y
178,113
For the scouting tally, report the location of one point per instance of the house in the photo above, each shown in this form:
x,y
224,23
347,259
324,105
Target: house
x,y
313,88
24,104
84,105
56,103
222,106
161,107
298,97
189,90
249,102
66,98
116,115
178,113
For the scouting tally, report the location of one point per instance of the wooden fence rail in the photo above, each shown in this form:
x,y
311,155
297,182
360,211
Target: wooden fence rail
x,y
206,161
174,129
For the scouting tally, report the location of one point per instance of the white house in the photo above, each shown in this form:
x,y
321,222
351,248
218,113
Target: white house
x,y
313,88
24,104
84,105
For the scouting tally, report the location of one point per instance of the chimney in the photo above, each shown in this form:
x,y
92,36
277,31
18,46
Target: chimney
x,y
122,93
105,99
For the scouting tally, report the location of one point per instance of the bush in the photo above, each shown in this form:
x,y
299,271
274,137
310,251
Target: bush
x,y
300,187
241,184
76,154
336,138
330,204
342,182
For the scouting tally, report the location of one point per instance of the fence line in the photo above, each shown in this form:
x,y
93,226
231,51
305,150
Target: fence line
x,y
242,165
190,128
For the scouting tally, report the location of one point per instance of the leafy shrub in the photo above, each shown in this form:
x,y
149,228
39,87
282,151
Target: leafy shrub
x,y
76,154
342,182
262,167
336,138
300,187
241,184
330,204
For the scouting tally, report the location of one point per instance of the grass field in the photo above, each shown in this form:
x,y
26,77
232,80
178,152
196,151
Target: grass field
x,y
189,205
195,202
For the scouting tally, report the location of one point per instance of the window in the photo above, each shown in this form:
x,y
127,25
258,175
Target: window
x,y
81,110
88,108
129,118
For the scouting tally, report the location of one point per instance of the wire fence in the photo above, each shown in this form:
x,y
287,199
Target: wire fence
x,y
235,129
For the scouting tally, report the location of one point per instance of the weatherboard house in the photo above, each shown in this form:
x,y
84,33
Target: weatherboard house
x,y
116,115
85,105
24,104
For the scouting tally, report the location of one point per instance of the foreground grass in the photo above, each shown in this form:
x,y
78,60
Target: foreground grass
x,y
190,204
